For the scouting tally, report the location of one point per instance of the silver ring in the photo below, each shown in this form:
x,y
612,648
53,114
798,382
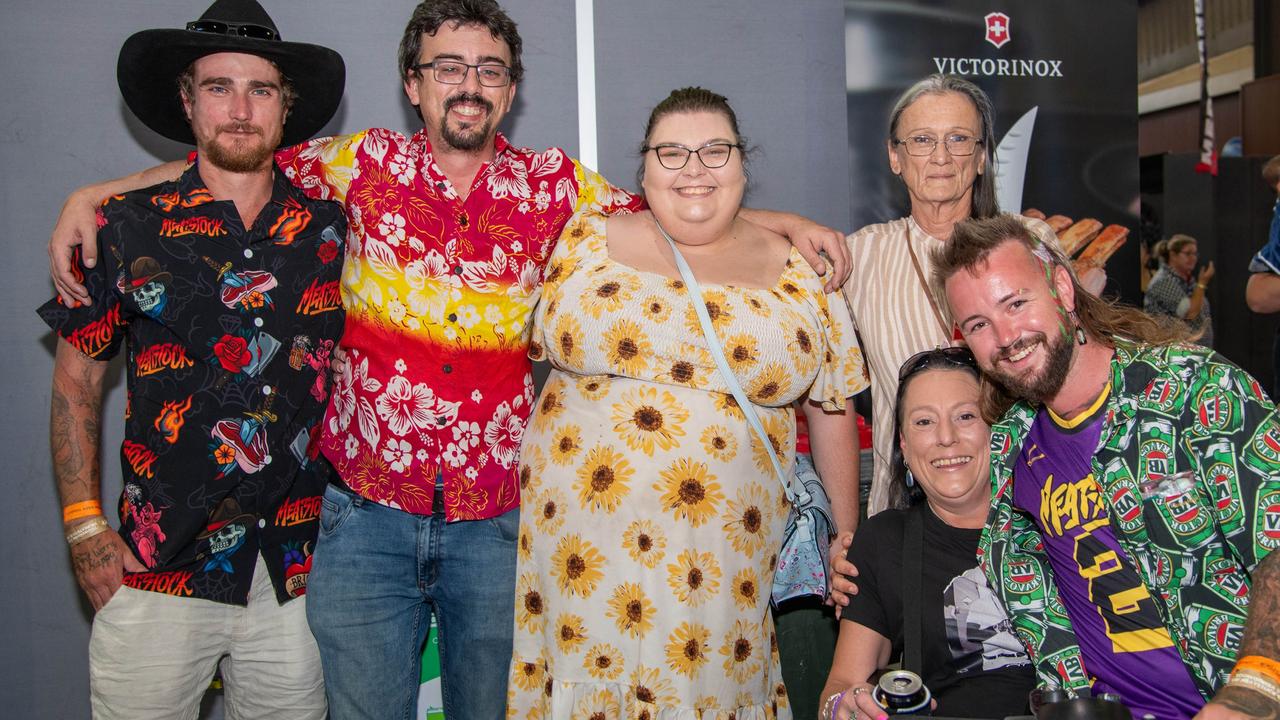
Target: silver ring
x,y
858,690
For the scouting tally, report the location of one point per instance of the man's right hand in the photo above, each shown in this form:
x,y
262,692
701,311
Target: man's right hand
x,y
100,563
77,226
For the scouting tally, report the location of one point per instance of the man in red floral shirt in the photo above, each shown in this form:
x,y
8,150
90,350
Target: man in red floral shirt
x,y
449,233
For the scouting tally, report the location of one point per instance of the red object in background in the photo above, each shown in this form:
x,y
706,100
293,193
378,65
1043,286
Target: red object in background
x,y
802,434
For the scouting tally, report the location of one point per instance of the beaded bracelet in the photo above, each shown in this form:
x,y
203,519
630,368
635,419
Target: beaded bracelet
x,y
83,532
1256,682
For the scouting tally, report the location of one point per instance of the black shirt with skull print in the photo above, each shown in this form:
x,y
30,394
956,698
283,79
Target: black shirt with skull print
x,y
228,334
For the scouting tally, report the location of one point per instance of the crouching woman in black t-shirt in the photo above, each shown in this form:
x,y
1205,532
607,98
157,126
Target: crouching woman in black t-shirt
x,y
929,597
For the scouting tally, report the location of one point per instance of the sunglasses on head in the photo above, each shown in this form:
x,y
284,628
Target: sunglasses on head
x,y
247,30
954,356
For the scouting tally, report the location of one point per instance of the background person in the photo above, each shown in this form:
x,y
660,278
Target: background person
x,y
1177,290
1263,291
653,512
970,659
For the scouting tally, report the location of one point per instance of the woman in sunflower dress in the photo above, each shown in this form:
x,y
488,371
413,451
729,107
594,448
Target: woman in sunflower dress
x,y
651,514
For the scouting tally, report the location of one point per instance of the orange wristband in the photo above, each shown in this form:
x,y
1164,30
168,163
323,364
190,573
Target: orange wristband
x,y
1261,665
81,510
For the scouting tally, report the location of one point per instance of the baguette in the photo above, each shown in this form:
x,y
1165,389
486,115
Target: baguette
x,y
1078,235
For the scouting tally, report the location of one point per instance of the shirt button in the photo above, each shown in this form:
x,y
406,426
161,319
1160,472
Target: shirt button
x,y
453,317
257,322
441,421
447,369
262,522
457,269
248,253
462,219
266,389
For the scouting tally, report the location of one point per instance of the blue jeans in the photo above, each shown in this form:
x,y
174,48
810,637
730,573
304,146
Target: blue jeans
x,y
378,575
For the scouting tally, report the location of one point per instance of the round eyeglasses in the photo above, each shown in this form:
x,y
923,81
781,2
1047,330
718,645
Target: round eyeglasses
x,y
958,145
675,157
452,72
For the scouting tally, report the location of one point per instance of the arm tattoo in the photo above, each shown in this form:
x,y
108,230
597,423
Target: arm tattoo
x,y
1262,630
1247,702
74,427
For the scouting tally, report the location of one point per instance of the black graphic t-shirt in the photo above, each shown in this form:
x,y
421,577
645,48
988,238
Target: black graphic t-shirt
x,y
228,334
973,663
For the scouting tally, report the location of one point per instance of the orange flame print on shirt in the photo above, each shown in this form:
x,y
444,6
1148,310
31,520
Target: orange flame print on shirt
x,y
171,419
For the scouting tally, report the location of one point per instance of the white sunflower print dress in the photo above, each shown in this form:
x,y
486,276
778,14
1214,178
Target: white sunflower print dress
x,y
651,516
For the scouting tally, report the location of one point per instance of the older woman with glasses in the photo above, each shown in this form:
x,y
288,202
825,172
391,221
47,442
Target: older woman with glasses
x,y
1177,291
941,143
956,636
652,513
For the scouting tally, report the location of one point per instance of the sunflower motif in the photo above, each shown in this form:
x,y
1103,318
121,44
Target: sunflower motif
x,y
687,649
603,662
524,544
689,490
548,511
577,566
694,577
742,351
532,466
645,542
631,610
536,712
746,519
779,427
718,309
565,444
742,659
602,479
598,705
770,385
656,308
706,704
529,603
593,387
651,688
647,417
567,340
550,405
609,294
577,230
802,341
627,348
745,589
526,675
570,633
728,406
756,305
719,442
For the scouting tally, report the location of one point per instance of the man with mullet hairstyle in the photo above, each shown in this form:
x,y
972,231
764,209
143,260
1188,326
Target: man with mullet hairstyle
x,y
1136,487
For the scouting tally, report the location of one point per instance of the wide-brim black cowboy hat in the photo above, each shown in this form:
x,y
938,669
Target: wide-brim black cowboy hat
x,y
151,61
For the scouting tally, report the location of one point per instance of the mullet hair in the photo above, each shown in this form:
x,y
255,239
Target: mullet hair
x,y
1104,321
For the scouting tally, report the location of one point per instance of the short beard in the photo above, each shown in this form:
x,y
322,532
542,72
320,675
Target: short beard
x,y
473,138
236,157
1036,390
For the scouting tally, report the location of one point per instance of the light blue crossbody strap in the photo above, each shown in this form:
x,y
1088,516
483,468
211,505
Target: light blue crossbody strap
x,y
717,353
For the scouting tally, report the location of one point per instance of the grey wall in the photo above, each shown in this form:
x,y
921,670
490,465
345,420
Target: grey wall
x,y
62,124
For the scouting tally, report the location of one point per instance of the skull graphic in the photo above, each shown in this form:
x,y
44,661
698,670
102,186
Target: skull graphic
x,y
228,537
149,296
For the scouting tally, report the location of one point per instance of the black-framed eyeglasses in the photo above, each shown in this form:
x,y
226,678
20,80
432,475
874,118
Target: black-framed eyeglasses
x,y
248,30
958,145
452,72
954,356
675,157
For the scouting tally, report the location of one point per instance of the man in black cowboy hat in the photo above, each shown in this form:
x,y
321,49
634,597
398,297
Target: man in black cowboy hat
x,y
223,286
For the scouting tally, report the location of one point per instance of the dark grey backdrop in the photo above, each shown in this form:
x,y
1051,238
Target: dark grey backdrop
x,y
62,124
